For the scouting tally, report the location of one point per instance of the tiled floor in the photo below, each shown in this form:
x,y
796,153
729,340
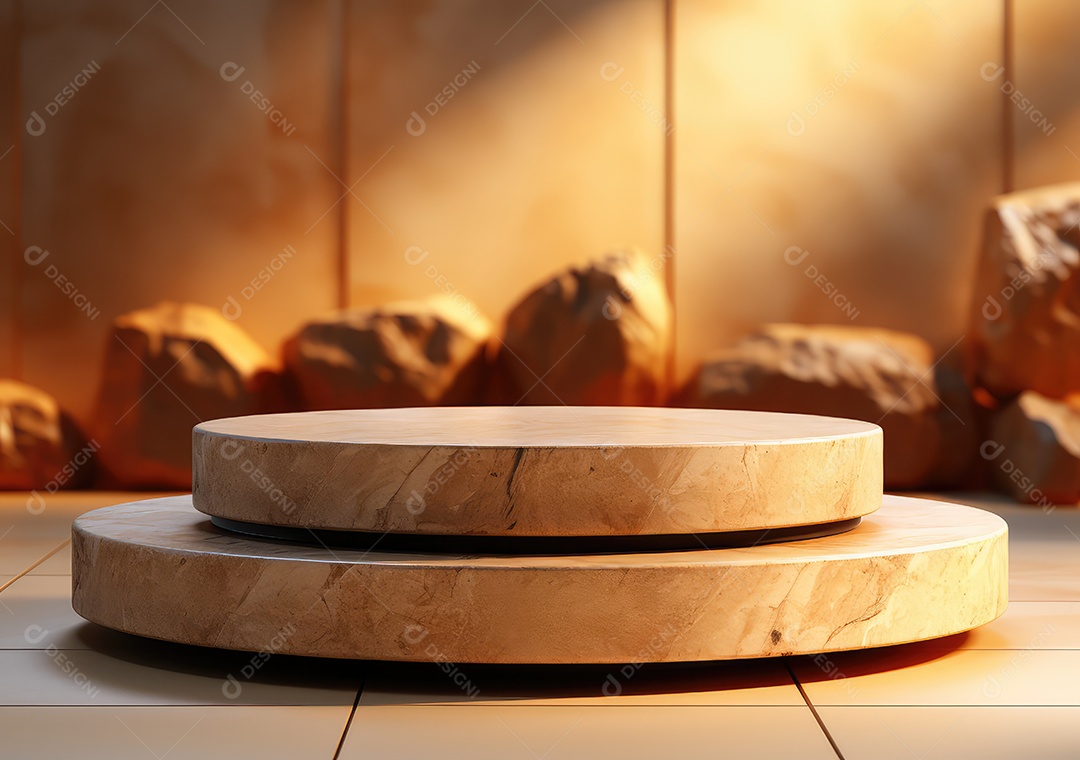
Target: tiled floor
x,y
71,689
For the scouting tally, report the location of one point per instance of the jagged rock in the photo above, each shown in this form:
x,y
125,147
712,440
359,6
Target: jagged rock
x,y
1026,310
1034,449
595,335
412,353
40,447
869,374
166,369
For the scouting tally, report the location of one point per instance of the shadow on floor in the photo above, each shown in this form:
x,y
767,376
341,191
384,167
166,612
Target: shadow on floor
x,y
441,682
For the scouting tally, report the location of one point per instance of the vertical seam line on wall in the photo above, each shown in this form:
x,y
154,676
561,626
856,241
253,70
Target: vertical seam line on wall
x,y
16,189
1008,137
342,118
669,184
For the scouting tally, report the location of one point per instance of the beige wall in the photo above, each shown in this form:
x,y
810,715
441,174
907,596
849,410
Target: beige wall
x,y
9,261
536,162
860,133
160,179
1048,76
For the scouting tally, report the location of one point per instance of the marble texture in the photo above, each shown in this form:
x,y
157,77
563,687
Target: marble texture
x,y
916,569
538,471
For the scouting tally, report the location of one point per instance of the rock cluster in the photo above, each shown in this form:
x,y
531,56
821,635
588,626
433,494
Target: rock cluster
x,y
167,368
1034,450
1025,321
593,335
40,447
412,353
879,376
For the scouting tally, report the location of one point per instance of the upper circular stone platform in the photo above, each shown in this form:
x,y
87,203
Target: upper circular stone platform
x,y
537,471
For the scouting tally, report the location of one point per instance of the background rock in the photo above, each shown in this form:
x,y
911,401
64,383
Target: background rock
x,y
875,375
599,334
412,353
1026,311
168,368
1034,449
40,447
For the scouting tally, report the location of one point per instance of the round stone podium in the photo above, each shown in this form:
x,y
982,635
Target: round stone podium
x,y
545,535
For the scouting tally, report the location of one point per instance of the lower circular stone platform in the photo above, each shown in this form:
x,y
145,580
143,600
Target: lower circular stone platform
x,y
913,570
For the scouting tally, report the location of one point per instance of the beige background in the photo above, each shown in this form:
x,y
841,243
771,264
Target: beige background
x,y
160,179
9,261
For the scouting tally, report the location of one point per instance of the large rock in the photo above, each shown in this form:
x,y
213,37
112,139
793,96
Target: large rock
x,y
412,353
596,335
40,447
1034,450
166,369
1026,312
869,374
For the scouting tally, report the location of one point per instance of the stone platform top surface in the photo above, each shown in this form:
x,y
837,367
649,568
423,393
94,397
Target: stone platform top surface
x,y
903,526
540,426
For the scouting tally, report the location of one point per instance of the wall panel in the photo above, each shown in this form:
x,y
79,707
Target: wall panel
x,y
153,170
833,162
492,143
